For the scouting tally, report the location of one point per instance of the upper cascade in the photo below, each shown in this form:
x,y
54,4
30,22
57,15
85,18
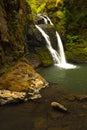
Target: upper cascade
x,y
45,18
58,56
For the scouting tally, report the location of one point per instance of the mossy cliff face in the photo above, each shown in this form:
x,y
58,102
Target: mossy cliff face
x,y
14,16
16,74
76,52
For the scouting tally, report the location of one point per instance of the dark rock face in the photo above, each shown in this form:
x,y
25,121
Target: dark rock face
x,y
14,16
37,40
15,22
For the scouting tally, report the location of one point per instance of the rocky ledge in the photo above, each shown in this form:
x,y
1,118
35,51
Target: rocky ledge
x,y
20,83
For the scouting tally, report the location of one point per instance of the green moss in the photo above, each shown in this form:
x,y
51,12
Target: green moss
x,y
37,6
45,57
76,52
33,59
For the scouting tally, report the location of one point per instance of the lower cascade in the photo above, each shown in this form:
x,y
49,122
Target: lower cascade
x,y
63,63
58,57
53,52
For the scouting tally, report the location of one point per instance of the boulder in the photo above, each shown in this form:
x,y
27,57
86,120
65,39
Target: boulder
x,y
81,97
19,82
7,96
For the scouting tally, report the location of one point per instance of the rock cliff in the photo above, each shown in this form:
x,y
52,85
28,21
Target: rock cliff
x,y
18,80
14,17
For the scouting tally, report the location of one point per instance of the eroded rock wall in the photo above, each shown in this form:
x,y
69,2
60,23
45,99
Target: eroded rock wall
x,y
14,17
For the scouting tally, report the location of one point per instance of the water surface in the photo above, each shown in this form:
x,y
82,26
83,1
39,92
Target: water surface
x,y
39,115
73,79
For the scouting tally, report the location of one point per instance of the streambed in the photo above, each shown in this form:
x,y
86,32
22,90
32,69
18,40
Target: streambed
x,y
39,115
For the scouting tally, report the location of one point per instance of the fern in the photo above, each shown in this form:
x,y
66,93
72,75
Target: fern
x,y
37,7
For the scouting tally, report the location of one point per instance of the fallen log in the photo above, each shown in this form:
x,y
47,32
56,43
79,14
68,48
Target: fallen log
x,y
59,107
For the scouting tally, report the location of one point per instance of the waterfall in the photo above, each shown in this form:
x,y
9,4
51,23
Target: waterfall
x,y
48,19
61,50
45,18
63,63
58,57
49,46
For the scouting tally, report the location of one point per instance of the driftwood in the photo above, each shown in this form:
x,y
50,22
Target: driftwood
x,y
58,107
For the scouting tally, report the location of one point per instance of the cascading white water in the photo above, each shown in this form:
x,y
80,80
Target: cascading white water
x,y
49,46
63,63
58,58
45,18
61,50
48,19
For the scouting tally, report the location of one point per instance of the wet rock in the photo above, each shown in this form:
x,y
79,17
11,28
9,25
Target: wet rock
x,y
35,96
20,82
37,43
7,96
70,97
82,97
58,106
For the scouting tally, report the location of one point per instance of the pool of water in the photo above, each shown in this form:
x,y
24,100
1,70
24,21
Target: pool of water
x,y
73,79
38,114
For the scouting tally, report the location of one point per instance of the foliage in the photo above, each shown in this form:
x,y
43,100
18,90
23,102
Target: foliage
x,y
70,19
45,57
33,5
76,17
76,52
74,39
37,7
41,7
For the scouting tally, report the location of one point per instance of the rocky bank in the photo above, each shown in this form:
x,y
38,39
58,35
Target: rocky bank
x,y
18,80
22,46
20,83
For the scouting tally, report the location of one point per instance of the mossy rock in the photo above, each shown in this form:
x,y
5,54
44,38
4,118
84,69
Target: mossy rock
x,y
76,52
45,57
33,59
21,77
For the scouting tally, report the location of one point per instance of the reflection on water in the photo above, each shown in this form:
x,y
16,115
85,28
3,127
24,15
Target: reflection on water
x,y
73,79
